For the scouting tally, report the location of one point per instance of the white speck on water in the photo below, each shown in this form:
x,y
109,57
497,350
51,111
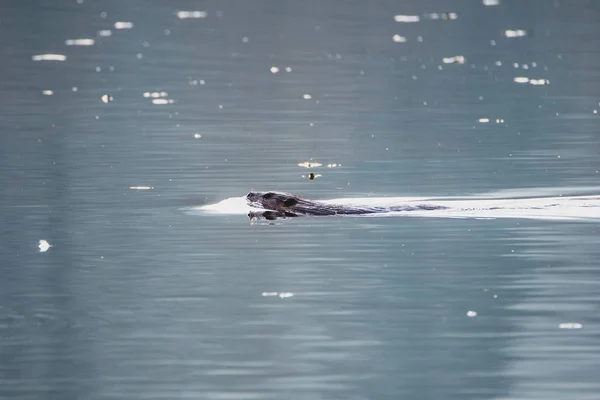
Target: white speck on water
x,y
498,63
98,69
106,98
420,39
521,79
139,56
74,88
471,314
245,39
155,95
398,39
80,42
191,14
123,25
44,246
162,101
288,69
167,32
539,82
220,106
306,96
513,33
197,136
105,33
570,325
49,57
492,42
490,3
141,187
274,69
484,120
454,60
407,18
47,92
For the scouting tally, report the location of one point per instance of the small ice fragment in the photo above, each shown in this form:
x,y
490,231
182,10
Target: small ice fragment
x,y
269,294
274,70
471,314
284,295
162,101
106,98
80,42
521,79
44,246
399,39
288,69
490,2
191,14
513,33
197,136
539,82
47,92
484,120
407,18
454,60
105,33
306,96
123,25
155,95
49,57
570,325
141,187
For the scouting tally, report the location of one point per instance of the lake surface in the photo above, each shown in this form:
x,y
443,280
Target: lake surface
x,y
105,143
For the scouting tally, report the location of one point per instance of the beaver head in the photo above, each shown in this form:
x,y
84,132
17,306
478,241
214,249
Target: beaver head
x,y
282,202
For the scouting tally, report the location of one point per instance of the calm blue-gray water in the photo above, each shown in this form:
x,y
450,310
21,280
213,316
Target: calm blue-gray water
x,y
117,117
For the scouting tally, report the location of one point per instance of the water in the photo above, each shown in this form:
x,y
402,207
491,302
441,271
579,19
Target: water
x,y
138,298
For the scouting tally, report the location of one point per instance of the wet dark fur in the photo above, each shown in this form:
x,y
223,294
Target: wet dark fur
x,y
281,205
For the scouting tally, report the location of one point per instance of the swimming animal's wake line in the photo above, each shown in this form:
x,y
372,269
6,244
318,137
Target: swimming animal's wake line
x,y
274,205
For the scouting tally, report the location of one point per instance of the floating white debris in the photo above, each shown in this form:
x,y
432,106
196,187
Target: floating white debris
x,y
288,69
454,60
539,82
308,164
44,246
471,314
80,42
399,39
274,70
407,18
47,92
333,165
521,79
155,95
105,33
141,187
191,14
245,39
306,96
513,33
500,120
281,295
570,325
123,25
197,136
484,120
106,98
49,57
490,2
162,101
447,16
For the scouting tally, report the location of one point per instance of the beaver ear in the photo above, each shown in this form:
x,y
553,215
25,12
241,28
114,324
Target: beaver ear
x,y
290,202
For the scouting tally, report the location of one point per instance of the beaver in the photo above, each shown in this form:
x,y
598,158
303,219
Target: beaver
x,y
281,205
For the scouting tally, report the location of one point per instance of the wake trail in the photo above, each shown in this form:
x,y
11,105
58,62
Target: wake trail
x,y
557,207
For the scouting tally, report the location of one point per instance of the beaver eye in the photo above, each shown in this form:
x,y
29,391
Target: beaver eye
x,y
268,195
290,202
